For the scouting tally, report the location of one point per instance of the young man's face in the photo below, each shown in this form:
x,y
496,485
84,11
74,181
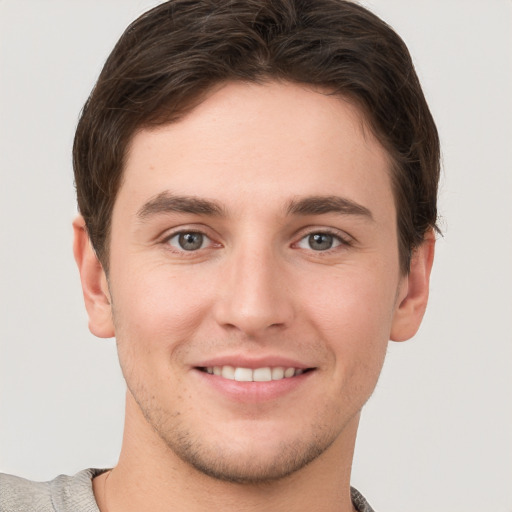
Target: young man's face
x,y
255,238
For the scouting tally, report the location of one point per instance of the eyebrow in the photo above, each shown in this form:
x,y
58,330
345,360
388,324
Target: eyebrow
x,y
318,205
166,202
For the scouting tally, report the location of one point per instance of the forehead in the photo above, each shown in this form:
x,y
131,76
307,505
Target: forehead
x,y
257,142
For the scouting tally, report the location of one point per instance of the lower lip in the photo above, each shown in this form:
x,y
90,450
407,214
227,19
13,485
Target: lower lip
x,y
253,392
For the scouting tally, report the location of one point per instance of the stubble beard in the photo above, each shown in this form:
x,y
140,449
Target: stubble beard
x,y
288,459
217,461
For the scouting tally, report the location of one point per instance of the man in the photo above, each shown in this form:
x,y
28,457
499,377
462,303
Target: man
x,y
257,188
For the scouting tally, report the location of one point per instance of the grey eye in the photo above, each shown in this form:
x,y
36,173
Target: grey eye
x,y
188,241
319,242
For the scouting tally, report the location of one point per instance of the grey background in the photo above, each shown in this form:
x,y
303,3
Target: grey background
x,y
437,434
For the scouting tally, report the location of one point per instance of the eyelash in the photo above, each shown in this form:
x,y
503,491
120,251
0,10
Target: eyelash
x,y
182,251
342,241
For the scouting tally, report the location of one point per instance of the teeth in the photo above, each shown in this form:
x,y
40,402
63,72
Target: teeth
x,y
289,372
277,373
264,374
243,374
228,372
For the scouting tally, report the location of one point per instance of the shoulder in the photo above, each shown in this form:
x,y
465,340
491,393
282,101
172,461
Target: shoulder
x,y
18,494
359,501
62,494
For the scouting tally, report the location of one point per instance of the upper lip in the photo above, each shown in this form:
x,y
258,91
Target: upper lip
x,y
240,361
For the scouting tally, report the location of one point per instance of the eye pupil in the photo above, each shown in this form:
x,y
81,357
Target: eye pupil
x,y
190,241
320,241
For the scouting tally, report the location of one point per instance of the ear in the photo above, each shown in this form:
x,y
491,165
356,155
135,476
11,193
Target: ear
x,y
94,282
413,293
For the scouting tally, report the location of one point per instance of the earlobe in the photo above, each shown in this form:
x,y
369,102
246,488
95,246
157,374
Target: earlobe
x,y
413,296
94,282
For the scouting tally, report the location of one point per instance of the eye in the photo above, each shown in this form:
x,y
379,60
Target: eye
x,y
320,241
189,241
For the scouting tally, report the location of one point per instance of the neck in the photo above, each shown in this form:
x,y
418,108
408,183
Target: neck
x,y
149,476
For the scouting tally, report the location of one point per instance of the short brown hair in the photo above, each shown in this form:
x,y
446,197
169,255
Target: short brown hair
x,y
172,55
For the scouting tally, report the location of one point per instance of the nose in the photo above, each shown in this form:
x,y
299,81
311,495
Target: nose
x,y
253,293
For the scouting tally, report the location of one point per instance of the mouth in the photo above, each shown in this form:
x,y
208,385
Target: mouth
x,y
263,374
247,381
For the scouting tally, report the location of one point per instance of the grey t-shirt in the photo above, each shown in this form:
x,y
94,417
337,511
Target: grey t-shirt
x,y
74,494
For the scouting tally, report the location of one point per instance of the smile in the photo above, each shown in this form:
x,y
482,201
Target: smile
x,y
264,374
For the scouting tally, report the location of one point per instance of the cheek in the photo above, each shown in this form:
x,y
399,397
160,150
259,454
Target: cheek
x,y
354,317
157,311
352,302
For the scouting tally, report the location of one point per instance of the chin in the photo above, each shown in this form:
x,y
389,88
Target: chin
x,y
250,461
251,468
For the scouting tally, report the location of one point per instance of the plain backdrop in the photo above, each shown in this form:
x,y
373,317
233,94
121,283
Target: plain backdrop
x,y
437,433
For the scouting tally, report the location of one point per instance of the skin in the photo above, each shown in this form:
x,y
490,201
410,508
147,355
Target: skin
x,y
256,288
